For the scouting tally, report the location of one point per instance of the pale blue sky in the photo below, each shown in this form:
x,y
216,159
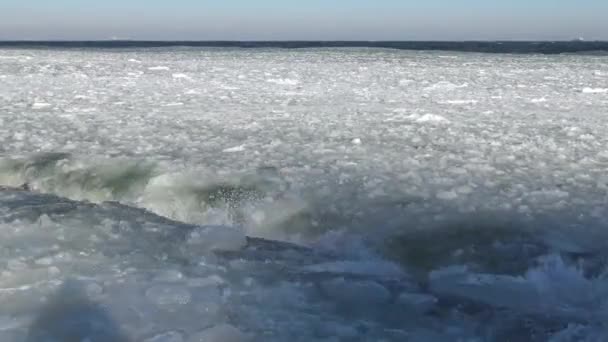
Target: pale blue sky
x,y
304,19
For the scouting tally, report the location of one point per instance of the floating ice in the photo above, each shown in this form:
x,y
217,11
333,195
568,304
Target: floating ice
x,y
461,102
159,68
283,81
169,295
595,90
349,292
219,333
365,146
234,149
171,336
41,105
180,75
216,238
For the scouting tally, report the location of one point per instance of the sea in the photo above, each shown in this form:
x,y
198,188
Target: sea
x,y
303,191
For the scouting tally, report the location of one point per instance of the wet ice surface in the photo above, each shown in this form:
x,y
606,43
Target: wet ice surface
x,y
440,195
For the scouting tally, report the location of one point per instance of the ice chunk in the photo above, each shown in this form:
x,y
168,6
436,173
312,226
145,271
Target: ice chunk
x,y
445,86
216,238
180,75
171,336
447,195
283,81
431,118
239,148
461,102
595,90
169,295
355,292
169,276
93,290
41,105
158,68
219,333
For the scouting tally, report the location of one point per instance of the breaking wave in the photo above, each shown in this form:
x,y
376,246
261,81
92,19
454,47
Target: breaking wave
x,y
255,200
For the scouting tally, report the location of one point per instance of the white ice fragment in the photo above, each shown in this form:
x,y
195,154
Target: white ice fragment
x,y
213,280
180,75
158,68
417,302
44,221
133,60
427,118
169,295
19,136
444,85
219,333
595,90
431,118
93,290
171,336
234,149
461,102
169,275
447,195
216,238
283,81
355,292
16,265
356,141
538,100
41,105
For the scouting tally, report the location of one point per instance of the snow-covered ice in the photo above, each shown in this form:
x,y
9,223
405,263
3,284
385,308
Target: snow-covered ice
x,y
401,196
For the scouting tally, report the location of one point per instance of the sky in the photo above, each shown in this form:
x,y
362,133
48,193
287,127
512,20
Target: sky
x,y
304,19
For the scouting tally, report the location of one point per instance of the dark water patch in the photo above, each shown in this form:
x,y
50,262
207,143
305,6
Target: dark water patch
x,y
486,246
517,47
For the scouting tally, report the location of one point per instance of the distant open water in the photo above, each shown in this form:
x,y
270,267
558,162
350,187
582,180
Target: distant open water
x,y
518,47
